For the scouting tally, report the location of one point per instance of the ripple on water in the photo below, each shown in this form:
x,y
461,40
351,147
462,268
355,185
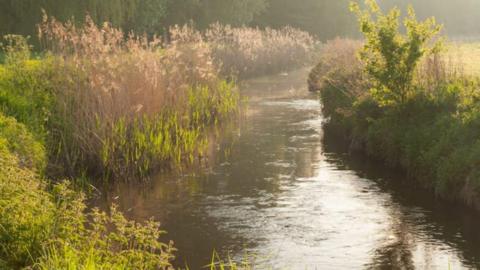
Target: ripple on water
x,y
299,104
281,196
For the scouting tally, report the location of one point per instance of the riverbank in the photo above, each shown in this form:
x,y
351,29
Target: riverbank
x,y
432,136
100,106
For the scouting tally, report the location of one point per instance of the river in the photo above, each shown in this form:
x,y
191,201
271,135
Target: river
x,y
273,188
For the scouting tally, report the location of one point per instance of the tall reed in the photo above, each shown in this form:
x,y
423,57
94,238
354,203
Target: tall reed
x,y
248,52
126,104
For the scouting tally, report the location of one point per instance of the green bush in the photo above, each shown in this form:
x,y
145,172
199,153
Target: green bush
x,y
29,152
26,212
25,91
50,230
434,138
390,57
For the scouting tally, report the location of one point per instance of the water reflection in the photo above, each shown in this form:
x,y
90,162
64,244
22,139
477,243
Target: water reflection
x,y
426,233
271,187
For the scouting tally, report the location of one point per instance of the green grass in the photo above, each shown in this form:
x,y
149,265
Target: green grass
x,y
217,263
170,138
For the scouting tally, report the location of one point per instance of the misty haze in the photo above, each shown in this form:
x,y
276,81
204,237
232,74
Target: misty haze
x,y
239,134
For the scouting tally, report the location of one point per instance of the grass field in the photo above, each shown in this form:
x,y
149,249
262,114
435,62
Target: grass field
x,y
465,56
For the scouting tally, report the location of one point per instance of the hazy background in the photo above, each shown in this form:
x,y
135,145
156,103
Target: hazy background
x,y
323,18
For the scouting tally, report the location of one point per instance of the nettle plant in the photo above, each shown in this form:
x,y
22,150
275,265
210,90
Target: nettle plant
x,y
391,57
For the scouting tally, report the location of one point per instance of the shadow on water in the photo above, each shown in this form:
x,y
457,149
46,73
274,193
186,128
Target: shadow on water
x,y
272,187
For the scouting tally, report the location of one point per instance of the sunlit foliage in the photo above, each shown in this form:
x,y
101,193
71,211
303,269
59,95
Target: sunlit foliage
x,y
433,135
46,228
390,57
129,105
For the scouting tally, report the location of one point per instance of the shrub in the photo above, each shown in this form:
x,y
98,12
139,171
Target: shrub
x,y
46,228
50,231
25,86
430,128
391,58
29,152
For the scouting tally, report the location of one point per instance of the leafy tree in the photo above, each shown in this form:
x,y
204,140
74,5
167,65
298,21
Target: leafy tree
x,y
391,57
205,12
150,16
22,16
324,18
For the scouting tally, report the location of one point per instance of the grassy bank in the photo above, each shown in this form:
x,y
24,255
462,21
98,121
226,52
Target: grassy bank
x,y
44,225
414,109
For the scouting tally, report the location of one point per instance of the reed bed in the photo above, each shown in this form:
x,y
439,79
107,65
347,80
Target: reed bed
x,y
127,105
120,105
105,103
248,52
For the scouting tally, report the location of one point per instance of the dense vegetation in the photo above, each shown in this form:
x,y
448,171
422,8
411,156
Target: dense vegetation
x,y
96,102
43,225
100,104
105,103
397,98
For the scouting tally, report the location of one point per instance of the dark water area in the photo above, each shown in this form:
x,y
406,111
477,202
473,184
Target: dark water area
x,y
276,189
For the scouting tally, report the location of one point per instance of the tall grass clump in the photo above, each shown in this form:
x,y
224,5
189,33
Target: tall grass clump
x,y
406,103
248,52
126,105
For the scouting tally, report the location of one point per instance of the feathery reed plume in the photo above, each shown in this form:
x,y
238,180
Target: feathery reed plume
x,y
247,52
127,103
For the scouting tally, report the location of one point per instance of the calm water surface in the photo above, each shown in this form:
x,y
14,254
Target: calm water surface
x,y
274,188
